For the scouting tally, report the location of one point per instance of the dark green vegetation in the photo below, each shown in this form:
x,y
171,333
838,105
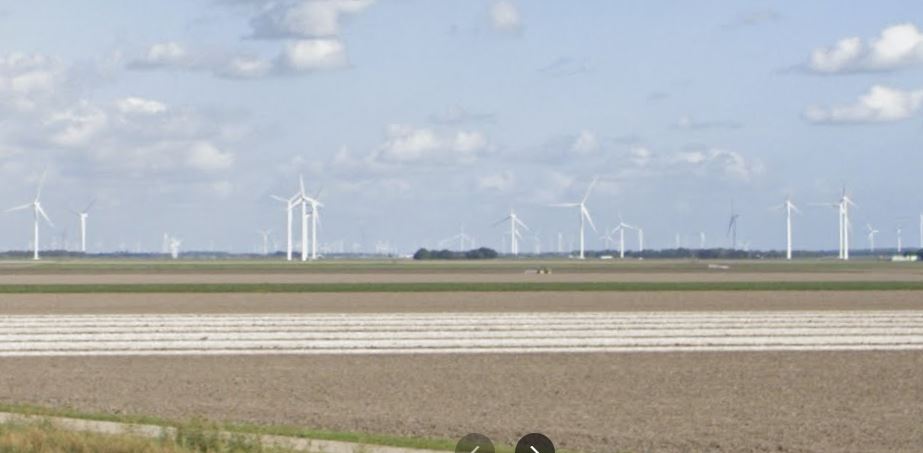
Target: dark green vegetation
x,y
482,253
442,287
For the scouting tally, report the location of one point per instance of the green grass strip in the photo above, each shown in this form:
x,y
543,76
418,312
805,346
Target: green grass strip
x,y
246,428
440,287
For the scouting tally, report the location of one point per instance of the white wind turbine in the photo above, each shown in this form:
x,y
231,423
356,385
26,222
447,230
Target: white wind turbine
x,y
900,239
842,207
290,204
462,239
315,220
621,227
37,212
83,215
584,214
174,247
871,236
789,207
515,236
732,227
265,234
845,203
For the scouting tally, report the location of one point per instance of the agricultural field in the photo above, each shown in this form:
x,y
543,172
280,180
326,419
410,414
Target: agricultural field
x,y
600,356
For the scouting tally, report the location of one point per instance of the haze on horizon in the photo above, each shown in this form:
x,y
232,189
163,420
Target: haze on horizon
x,y
417,117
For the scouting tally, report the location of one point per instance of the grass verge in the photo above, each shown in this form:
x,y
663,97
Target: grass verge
x,y
199,433
440,287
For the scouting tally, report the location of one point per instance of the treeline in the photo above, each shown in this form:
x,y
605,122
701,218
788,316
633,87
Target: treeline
x,y
482,253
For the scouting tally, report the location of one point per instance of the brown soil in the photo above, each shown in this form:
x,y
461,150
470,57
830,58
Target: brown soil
x,y
455,302
816,401
910,274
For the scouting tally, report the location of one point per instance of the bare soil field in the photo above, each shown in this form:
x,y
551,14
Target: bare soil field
x,y
419,302
817,401
501,276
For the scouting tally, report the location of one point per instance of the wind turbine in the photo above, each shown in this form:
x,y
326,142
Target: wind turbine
x,y
789,207
584,214
37,212
872,233
842,207
462,239
900,239
845,203
621,227
701,240
607,238
732,227
174,247
289,206
515,223
640,240
266,235
315,219
83,215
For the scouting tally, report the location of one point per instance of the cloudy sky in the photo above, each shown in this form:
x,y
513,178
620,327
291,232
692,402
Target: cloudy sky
x,y
419,116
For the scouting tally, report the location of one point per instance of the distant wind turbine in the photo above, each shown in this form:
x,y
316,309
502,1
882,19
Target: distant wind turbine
x,y
37,212
788,206
871,236
266,239
515,235
584,214
900,240
83,215
732,227
621,227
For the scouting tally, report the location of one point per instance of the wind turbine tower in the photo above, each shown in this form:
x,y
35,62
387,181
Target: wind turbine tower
x,y
584,214
37,212
872,233
515,235
789,207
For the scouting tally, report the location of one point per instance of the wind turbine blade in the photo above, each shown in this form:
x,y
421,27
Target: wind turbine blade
x,y
41,184
564,205
19,208
795,208
520,222
500,221
589,189
90,205
301,184
586,213
276,197
45,216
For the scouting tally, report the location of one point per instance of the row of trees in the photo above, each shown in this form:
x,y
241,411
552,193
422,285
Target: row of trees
x,y
482,253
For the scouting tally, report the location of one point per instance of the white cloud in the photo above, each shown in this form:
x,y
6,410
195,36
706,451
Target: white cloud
x,y
408,144
500,182
305,18
26,80
313,55
76,126
207,157
896,47
880,104
139,106
585,143
246,67
504,16
730,164
640,155
164,55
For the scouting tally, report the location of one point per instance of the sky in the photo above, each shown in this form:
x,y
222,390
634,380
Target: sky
x,y
414,119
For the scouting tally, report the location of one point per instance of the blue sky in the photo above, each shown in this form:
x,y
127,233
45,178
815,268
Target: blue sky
x,y
417,117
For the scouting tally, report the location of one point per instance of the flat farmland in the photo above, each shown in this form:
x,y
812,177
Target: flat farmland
x,y
727,362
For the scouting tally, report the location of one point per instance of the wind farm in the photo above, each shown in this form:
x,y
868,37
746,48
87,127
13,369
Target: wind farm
x,y
469,226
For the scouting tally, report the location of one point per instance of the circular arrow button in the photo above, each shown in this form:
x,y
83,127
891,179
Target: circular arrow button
x,y
474,443
535,443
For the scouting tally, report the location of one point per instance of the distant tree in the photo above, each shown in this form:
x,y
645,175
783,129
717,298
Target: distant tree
x,y
476,254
